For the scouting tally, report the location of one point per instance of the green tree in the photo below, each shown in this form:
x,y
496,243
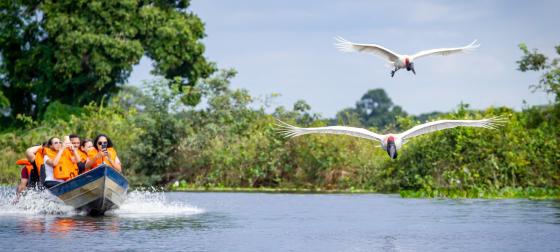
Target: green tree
x,y
76,52
156,150
535,61
375,109
347,116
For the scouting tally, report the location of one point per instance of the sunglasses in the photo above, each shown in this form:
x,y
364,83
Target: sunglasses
x,y
101,143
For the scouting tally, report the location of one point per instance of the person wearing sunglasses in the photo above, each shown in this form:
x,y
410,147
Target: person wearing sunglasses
x,y
60,162
103,152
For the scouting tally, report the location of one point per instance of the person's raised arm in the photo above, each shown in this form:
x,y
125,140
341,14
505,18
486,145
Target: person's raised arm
x,y
91,161
76,155
54,162
30,153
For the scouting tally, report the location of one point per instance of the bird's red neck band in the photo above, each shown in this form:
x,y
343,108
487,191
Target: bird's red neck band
x,y
391,139
406,61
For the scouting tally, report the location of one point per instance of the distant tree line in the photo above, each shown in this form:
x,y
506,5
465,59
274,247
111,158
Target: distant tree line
x,y
376,109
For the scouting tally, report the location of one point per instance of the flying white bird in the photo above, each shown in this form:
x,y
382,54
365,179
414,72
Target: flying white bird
x,y
397,60
391,142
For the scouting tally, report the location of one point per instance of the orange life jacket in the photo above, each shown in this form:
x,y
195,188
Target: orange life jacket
x,y
83,156
33,175
28,165
65,169
40,158
93,152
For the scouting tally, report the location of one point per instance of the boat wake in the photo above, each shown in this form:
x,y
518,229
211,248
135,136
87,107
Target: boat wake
x,y
138,204
142,203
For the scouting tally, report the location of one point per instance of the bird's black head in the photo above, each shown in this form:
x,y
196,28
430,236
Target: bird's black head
x,y
410,67
392,148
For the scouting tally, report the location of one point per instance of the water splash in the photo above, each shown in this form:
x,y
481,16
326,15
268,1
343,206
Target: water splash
x,y
32,203
139,203
151,203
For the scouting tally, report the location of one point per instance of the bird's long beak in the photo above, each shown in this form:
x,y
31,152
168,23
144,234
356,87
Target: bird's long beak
x,y
412,68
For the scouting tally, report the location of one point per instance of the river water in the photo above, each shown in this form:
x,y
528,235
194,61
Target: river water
x,y
281,222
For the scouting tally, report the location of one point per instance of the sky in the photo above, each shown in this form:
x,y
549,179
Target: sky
x,y
287,47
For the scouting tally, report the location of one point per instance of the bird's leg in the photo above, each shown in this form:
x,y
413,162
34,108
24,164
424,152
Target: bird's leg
x,y
393,72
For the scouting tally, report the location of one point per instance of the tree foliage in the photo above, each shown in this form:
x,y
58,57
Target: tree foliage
x,y
374,109
229,141
153,156
535,61
76,52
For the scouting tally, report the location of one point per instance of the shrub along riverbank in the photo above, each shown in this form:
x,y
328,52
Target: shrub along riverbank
x,y
232,142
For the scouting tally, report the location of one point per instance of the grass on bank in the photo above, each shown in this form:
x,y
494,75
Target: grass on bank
x,y
535,193
502,193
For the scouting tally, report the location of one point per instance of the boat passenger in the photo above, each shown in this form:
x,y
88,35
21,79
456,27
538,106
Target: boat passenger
x,y
85,145
24,179
60,162
31,170
75,140
34,156
103,153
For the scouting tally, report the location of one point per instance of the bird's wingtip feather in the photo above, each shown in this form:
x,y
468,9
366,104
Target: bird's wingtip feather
x,y
343,44
287,130
473,44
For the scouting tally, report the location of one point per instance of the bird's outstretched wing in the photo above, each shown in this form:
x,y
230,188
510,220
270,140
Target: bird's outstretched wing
x,y
446,51
347,46
292,131
490,123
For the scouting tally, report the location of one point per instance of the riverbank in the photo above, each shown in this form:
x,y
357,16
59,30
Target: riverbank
x,y
535,193
267,190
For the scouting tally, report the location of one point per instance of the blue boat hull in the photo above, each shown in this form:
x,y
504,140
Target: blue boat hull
x,y
95,191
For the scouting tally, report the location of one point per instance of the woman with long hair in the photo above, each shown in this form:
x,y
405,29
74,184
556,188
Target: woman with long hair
x,y
103,152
